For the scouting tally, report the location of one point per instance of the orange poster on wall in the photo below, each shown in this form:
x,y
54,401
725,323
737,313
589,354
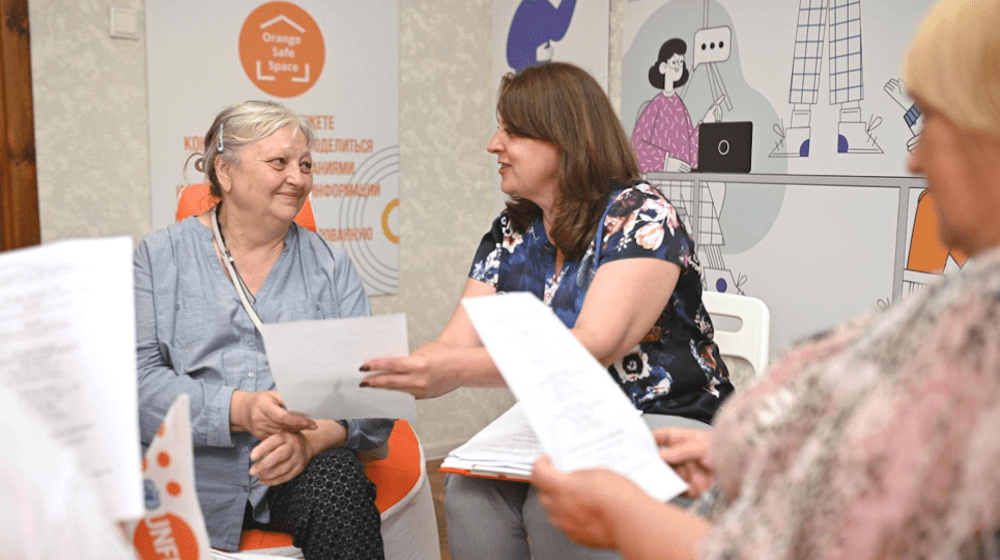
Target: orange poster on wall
x,y
282,49
335,61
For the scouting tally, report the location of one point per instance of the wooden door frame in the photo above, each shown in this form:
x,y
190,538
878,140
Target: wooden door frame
x,y
19,222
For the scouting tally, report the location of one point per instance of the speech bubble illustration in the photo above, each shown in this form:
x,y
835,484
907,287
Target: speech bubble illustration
x,y
712,44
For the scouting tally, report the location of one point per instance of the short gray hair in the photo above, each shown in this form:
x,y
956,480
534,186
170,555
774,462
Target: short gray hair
x,y
242,124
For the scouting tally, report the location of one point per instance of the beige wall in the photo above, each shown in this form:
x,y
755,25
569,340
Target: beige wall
x,y
93,156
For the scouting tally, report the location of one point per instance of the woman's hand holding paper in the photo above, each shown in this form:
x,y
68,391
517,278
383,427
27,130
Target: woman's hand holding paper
x,y
263,414
687,450
427,372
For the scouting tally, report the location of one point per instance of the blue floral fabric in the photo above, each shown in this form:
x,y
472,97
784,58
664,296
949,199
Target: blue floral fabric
x,y
676,368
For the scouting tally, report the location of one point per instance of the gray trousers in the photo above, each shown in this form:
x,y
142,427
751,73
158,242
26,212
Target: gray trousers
x,y
502,520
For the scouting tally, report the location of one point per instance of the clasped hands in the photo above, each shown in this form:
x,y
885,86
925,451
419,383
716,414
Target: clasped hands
x,y
288,440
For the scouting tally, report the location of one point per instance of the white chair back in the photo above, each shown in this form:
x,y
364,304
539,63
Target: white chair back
x,y
750,342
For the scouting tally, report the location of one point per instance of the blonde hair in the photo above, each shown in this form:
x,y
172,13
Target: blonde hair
x,y
953,63
242,124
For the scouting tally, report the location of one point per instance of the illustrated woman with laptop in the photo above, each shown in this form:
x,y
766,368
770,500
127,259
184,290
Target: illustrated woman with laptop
x,y
664,138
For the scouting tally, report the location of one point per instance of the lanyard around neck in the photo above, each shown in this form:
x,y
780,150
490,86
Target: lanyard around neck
x,y
245,296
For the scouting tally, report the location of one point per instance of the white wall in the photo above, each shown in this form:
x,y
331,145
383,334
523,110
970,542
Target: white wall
x,y
92,127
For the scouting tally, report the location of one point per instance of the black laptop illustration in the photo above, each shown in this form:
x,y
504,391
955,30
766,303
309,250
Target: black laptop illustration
x,y
725,147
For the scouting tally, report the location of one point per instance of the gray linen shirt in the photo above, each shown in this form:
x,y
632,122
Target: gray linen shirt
x,y
194,336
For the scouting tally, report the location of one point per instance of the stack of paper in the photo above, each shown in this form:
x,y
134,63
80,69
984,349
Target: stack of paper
x,y
581,417
507,448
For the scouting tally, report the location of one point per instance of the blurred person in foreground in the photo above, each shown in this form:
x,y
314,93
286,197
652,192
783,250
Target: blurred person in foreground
x,y
878,440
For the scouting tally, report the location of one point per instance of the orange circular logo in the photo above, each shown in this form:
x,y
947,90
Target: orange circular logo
x,y
166,536
282,49
385,221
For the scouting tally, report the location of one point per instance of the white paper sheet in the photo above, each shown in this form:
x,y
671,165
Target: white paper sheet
x,y
506,448
67,349
581,417
48,509
315,366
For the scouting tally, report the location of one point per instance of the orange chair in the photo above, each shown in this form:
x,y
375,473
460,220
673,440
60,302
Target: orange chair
x,y
402,491
196,199
927,253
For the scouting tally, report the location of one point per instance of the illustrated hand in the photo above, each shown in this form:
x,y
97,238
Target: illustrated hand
x,y
688,451
714,113
543,53
582,503
280,457
676,165
911,144
897,91
422,374
263,414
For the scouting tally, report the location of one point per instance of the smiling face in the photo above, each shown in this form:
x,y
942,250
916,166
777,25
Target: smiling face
x,y
272,178
962,170
529,168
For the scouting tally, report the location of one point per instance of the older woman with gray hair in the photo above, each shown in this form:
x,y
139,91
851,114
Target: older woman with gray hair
x,y
878,440
202,288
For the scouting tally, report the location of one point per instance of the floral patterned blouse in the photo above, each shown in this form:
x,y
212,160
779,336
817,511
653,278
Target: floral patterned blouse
x,y
878,440
676,368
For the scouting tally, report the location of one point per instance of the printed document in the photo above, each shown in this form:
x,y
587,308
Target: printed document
x,y
579,414
51,510
506,448
67,350
315,366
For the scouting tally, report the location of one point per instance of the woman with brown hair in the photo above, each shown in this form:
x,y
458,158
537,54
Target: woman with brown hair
x,y
608,254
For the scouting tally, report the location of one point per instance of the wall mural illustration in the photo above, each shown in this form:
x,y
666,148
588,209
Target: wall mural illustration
x,y
842,20
828,221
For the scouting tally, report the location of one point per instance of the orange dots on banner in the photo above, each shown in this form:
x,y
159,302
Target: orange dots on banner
x,y
161,430
163,459
145,464
385,221
282,49
166,536
173,488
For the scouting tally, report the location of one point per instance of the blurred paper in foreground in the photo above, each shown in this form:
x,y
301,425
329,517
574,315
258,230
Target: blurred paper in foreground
x,y
67,350
48,509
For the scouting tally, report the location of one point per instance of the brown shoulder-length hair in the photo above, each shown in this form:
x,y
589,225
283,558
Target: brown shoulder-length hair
x,y
563,105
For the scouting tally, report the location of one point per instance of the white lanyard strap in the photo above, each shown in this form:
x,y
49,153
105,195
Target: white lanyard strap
x,y
227,259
